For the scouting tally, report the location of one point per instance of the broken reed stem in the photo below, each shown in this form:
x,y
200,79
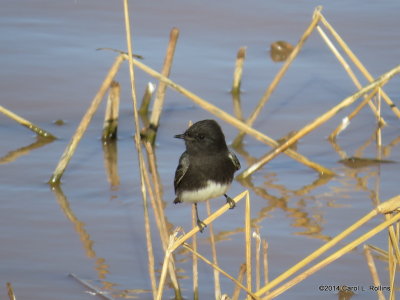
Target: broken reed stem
x,y
194,258
319,121
383,208
271,88
357,63
24,122
110,126
344,250
236,292
148,93
207,221
247,228
347,119
346,68
71,147
374,272
91,287
160,93
217,285
170,264
230,119
186,246
237,74
10,290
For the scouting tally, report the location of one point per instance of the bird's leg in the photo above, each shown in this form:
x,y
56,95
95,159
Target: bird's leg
x,y
200,223
230,201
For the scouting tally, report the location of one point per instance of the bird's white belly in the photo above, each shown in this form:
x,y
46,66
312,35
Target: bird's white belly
x,y
212,190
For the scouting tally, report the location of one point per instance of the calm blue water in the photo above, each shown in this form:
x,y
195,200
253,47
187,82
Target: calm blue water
x,y
50,70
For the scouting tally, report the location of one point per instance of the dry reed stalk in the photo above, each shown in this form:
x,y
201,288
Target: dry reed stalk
x,y
217,285
194,258
36,129
271,88
154,190
149,242
110,126
71,147
380,124
230,119
237,74
319,121
170,265
158,203
374,272
247,229
357,63
91,287
10,290
256,236
207,221
265,261
382,208
253,296
148,93
344,250
166,263
347,119
160,93
236,292
347,68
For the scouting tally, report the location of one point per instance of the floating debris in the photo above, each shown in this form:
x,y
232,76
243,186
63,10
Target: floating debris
x,y
280,51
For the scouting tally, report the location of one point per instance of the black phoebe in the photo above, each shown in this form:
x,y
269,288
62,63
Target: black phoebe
x,y
207,166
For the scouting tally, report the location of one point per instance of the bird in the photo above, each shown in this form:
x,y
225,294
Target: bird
x,y
205,170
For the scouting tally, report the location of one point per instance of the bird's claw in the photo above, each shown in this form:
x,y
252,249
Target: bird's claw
x,y
201,225
230,201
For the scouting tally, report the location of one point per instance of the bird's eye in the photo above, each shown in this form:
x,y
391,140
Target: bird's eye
x,y
200,136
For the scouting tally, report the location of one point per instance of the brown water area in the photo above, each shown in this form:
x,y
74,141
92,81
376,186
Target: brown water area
x,y
93,225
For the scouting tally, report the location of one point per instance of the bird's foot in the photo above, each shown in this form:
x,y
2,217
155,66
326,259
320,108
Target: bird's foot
x,y
201,225
230,201
177,200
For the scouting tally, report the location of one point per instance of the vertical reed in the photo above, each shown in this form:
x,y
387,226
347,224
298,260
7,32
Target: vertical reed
x,y
217,286
10,290
110,126
237,74
372,269
194,258
248,244
148,93
160,93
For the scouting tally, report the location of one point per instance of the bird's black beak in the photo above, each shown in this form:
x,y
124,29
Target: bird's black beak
x,y
180,136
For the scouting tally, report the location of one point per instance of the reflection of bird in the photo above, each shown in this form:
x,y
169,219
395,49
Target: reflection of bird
x,y
207,166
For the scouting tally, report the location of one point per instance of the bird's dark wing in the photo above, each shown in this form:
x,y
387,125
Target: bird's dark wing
x,y
181,170
234,160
